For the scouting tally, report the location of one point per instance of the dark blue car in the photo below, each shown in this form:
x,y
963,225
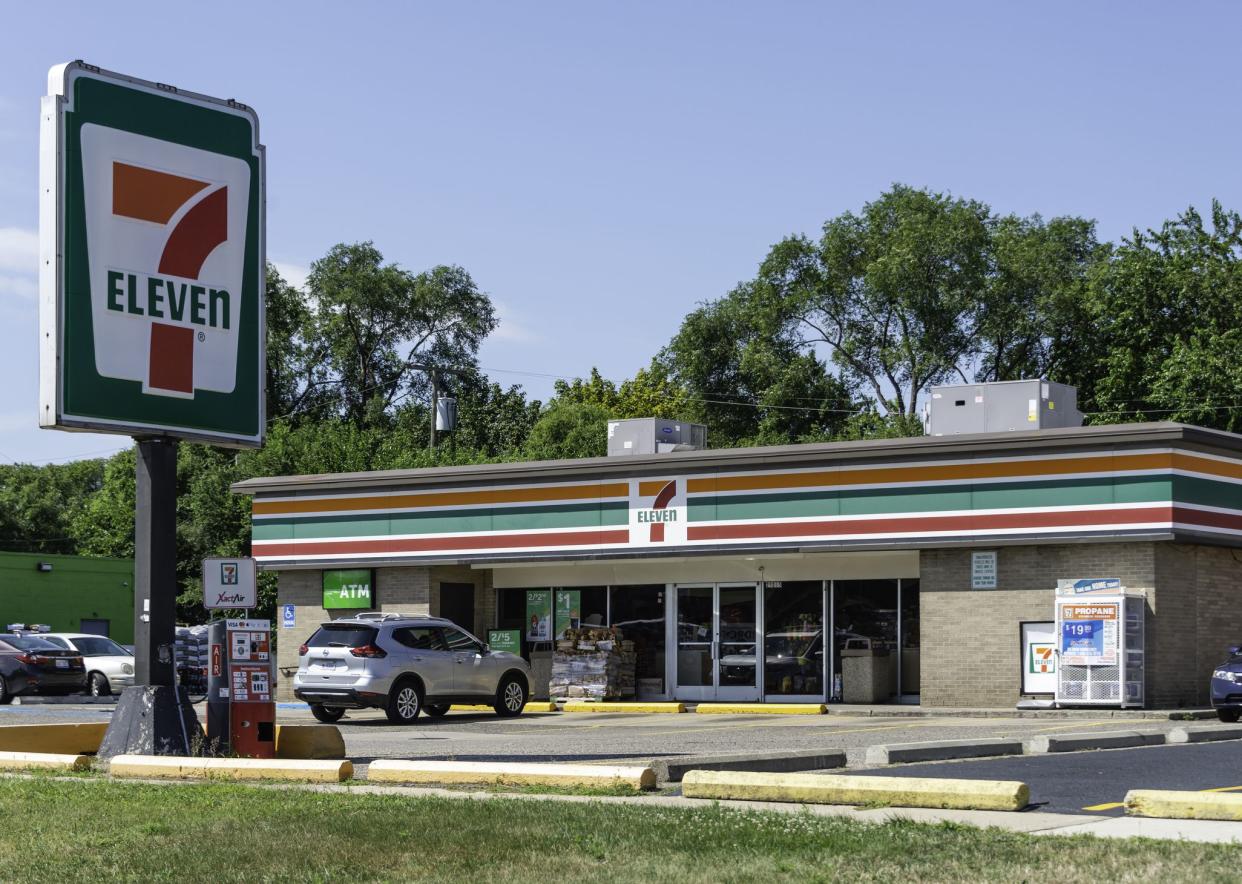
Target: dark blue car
x,y
1227,687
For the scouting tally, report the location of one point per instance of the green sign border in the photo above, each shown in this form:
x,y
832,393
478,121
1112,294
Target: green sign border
x,y
344,576
85,399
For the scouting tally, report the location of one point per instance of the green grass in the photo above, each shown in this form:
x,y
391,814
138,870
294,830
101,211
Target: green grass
x,y
90,830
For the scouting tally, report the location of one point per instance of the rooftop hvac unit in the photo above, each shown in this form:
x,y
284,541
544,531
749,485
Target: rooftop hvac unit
x,y
1000,407
653,435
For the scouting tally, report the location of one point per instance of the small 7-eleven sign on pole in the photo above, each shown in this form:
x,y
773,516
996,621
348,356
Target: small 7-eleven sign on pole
x,y
152,270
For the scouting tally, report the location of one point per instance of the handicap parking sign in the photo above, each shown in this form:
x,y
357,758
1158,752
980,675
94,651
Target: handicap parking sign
x,y
287,619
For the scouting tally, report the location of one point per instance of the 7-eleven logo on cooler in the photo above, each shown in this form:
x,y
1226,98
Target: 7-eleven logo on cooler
x,y
165,230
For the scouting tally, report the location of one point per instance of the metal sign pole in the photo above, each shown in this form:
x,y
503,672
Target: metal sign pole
x,y
154,717
155,563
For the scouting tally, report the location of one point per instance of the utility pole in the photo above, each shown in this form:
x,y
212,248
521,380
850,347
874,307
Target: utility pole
x,y
435,403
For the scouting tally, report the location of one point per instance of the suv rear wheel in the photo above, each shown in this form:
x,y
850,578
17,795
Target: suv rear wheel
x,y
327,714
404,702
1229,716
510,696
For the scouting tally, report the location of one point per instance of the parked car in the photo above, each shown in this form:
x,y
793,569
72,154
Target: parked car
x,y
405,665
1227,686
109,667
31,665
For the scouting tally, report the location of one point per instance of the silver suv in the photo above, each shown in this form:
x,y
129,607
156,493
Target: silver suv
x,y
404,665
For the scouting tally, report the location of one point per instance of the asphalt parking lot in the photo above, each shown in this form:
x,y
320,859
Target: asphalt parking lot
x,y
1097,781
592,737
597,737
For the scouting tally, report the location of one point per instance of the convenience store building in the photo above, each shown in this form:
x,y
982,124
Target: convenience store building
x,y
904,570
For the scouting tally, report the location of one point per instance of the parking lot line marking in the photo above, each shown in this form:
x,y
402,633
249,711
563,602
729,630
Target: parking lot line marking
x,y
1109,806
1079,726
1223,789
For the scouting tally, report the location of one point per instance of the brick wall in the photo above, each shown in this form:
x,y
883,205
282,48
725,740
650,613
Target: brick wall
x,y
1197,613
970,653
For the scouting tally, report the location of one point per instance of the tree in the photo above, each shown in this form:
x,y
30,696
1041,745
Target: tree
x,y
1166,318
569,430
378,323
1035,318
38,505
894,292
296,361
748,376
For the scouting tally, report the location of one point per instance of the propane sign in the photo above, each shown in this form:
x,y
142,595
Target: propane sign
x,y
151,239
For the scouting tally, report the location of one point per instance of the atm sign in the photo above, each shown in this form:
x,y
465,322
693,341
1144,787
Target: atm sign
x,y
349,589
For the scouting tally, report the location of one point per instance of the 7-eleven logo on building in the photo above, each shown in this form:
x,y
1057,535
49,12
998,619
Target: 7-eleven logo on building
x,y
165,231
657,512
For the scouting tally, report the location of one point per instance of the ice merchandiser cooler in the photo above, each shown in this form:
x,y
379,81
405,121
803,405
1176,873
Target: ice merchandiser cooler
x,y
1099,628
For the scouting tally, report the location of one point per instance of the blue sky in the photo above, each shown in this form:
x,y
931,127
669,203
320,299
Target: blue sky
x,y
602,168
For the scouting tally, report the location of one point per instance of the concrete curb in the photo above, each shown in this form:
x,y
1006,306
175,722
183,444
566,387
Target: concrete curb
x,y
761,709
63,739
319,741
579,706
535,706
843,789
941,751
672,770
509,773
182,768
1204,733
1184,805
1079,742
43,761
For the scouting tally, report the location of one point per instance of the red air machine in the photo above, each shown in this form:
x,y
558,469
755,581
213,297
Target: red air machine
x,y
241,715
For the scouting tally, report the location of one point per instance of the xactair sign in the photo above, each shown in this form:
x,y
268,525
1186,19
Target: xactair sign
x,y
152,247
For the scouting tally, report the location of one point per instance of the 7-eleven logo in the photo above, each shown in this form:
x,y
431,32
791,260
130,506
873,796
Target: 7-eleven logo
x,y
165,228
657,512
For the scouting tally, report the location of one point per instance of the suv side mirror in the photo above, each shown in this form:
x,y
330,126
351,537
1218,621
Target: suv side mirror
x,y
1233,650
485,649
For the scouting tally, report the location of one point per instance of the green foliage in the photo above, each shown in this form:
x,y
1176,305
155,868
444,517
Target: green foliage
x,y
38,505
749,377
569,429
374,324
1165,319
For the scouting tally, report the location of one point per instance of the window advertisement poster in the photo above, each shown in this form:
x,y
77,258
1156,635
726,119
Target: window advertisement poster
x,y
349,589
983,570
505,640
1089,635
1039,657
568,611
539,615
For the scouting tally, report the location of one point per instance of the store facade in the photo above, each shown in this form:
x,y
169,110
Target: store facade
x,y
870,572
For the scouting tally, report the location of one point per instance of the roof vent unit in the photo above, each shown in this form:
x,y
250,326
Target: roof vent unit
x,y
1000,407
653,435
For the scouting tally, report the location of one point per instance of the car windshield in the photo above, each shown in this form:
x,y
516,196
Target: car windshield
x,y
99,646
29,643
342,635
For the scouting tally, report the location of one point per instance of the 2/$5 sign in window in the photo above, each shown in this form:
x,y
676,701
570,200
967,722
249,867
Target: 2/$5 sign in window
x,y
349,589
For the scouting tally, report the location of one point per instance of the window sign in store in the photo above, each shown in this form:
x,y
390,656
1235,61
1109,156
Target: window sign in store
x,y
983,570
348,589
505,640
568,610
539,615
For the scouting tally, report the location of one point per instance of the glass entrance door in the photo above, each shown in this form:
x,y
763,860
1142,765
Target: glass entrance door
x,y
716,642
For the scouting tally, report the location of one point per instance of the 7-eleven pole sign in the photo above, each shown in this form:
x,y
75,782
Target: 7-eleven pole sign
x,y
152,279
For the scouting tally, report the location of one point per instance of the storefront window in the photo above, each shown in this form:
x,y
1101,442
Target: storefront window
x,y
638,614
865,622
794,638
